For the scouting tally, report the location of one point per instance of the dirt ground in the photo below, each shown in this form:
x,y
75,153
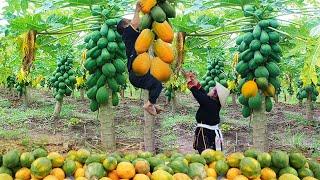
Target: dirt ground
x,y
286,127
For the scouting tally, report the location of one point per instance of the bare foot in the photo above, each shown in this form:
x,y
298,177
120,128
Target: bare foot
x,y
158,109
150,108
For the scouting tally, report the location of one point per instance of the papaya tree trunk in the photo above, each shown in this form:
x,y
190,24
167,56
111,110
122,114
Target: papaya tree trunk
x,y
25,96
82,94
130,91
148,127
122,93
57,110
73,95
12,92
259,126
140,96
174,102
106,117
300,102
234,99
285,97
309,108
276,98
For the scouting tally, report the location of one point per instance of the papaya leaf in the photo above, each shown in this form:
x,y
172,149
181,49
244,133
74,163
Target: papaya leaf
x,y
316,54
25,23
24,5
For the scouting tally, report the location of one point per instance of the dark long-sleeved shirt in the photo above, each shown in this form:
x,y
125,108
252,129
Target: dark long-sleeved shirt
x,y
129,37
208,112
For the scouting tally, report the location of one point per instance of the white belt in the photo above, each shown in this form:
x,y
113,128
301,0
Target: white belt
x,y
218,138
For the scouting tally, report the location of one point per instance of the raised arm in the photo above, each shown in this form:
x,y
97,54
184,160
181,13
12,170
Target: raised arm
x,y
136,19
197,91
200,95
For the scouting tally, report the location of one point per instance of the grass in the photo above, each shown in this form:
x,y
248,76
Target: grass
x,y
4,103
297,117
14,121
131,129
136,110
170,127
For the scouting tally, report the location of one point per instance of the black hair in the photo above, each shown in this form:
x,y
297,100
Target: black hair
x,y
121,25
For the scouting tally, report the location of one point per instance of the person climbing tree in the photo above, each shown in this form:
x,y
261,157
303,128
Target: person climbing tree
x,y
129,31
207,133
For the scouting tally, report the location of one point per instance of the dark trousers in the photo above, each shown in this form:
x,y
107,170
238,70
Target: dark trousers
x,y
204,139
147,82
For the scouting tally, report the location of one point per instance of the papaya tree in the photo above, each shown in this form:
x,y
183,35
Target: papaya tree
x,y
307,58
105,63
81,82
63,81
155,55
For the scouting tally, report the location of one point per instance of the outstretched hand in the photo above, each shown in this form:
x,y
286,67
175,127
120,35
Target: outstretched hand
x,y
190,76
138,7
136,19
191,79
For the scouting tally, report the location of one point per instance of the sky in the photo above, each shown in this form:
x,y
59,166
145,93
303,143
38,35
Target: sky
x,y
2,4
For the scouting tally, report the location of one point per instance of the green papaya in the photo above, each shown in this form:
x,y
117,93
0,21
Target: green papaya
x,y
264,38
115,99
258,58
91,94
112,47
111,35
247,37
113,85
252,64
255,45
246,111
145,22
273,69
243,46
108,70
158,14
268,104
274,37
101,81
105,55
104,30
94,106
102,95
256,32
95,36
274,23
262,83
255,102
265,49
102,42
261,71
264,23
168,9
111,22
239,40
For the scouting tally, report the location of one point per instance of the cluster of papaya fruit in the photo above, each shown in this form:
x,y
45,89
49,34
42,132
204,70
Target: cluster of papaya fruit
x,y
63,80
259,54
290,89
305,92
104,62
157,33
11,81
214,74
169,93
82,164
176,83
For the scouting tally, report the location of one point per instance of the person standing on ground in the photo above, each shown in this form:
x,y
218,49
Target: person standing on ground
x,y
207,133
130,32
